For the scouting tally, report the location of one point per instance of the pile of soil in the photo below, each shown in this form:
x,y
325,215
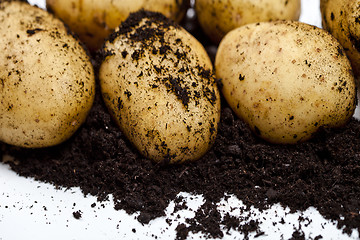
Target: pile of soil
x,y
323,172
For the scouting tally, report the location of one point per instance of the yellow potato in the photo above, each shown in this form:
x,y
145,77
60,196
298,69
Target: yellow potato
x,y
158,83
286,79
341,19
94,20
46,78
218,17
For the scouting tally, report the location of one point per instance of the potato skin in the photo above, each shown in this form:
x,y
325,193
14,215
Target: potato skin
x,y
286,79
218,17
157,81
94,20
341,19
47,82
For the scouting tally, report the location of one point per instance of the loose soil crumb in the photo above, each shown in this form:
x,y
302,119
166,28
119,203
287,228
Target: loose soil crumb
x,y
323,172
77,214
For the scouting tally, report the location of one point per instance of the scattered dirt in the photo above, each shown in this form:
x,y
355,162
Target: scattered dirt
x,y
324,173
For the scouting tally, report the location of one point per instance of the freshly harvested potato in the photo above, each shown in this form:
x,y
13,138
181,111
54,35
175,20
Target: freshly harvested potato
x,y
46,78
286,79
94,20
342,19
218,17
158,83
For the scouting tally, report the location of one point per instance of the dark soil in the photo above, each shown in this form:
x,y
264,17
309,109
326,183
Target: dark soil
x,y
323,172
77,214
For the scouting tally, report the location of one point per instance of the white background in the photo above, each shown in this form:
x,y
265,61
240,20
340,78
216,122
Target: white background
x,y
34,210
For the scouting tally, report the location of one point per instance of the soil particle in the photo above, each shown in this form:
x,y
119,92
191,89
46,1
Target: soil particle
x,y
31,32
77,214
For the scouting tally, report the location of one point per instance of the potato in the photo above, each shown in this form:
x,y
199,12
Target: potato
x,y
341,19
158,83
94,20
46,78
286,79
218,17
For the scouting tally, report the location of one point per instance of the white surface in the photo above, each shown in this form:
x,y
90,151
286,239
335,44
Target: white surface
x,y
34,210
310,12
